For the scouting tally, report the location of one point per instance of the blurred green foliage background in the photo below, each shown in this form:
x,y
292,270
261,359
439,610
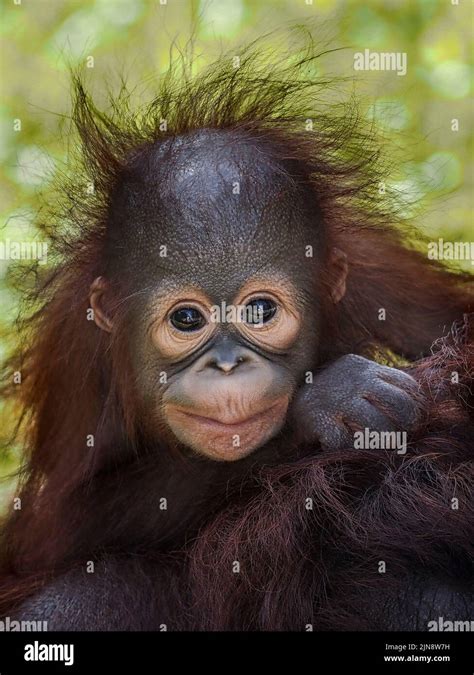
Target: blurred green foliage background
x,y
133,37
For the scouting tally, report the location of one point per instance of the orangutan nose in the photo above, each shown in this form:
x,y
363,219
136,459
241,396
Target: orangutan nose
x,y
226,358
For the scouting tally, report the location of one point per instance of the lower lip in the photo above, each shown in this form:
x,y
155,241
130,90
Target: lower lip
x,y
215,424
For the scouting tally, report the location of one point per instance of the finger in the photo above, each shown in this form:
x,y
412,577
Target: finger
x,y
398,378
396,404
332,433
367,414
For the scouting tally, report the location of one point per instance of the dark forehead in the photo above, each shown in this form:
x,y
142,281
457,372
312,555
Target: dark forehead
x,y
210,204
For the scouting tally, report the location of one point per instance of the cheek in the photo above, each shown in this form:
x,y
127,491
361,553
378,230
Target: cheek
x,y
305,354
150,378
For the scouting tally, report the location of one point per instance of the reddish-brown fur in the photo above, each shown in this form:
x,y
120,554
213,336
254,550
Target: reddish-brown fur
x,y
297,565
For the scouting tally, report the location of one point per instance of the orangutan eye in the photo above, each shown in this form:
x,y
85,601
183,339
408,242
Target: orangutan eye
x,y
187,319
260,310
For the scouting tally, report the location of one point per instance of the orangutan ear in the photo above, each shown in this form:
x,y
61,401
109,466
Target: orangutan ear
x,y
98,301
338,268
